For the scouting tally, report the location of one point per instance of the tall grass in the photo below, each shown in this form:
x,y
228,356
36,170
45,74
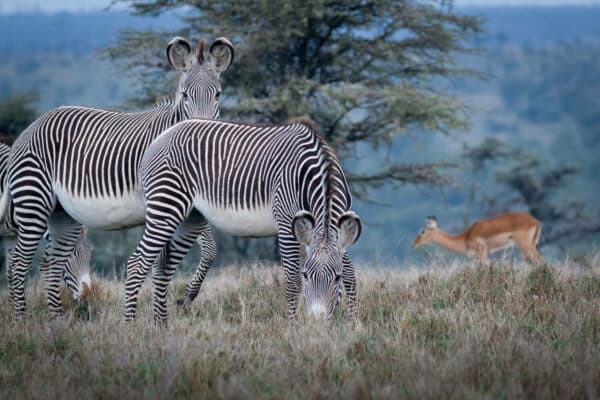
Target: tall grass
x,y
442,331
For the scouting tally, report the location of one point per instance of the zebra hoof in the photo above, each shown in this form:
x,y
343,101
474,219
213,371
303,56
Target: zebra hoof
x,y
182,303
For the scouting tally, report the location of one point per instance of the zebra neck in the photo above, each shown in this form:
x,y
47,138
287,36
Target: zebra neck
x,y
328,199
166,114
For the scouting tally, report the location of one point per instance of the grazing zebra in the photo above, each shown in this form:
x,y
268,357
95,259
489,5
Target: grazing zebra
x,y
252,181
78,165
77,272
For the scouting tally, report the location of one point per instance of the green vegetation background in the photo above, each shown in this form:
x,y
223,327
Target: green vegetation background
x,y
540,92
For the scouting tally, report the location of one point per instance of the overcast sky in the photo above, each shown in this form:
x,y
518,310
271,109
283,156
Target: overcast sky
x,y
12,6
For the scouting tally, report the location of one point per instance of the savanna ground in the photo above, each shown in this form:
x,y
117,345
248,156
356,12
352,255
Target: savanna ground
x,y
447,330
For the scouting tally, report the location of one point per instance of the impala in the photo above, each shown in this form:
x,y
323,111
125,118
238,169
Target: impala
x,y
487,236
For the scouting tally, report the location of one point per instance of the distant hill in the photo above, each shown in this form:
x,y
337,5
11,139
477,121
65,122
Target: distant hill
x,y
85,32
536,25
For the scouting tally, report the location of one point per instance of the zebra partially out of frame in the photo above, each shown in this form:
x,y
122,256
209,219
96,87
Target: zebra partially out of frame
x,y
77,272
78,165
252,181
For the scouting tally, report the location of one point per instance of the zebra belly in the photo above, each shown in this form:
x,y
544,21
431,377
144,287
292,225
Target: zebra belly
x,y
108,213
257,222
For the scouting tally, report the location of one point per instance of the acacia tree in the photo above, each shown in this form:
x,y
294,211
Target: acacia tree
x,y
364,71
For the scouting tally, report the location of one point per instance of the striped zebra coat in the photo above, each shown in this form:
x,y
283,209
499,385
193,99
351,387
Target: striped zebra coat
x,y
252,181
78,165
77,275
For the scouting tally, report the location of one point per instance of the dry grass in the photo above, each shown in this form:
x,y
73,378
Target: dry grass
x,y
452,332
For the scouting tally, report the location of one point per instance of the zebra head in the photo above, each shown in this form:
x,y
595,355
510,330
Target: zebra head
x,y
77,274
323,266
199,88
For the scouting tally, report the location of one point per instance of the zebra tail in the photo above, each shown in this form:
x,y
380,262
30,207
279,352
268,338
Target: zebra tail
x,y
4,200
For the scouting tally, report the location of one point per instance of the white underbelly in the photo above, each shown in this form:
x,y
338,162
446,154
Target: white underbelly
x,y
245,223
500,248
107,213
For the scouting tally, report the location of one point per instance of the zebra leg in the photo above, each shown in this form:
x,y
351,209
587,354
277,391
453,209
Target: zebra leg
x,y
289,249
153,242
46,259
64,232
22,257
33,201
164,216
208,253
184,238
9,246
349,281
51,277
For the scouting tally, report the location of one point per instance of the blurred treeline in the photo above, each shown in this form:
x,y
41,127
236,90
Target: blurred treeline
x,y
470,117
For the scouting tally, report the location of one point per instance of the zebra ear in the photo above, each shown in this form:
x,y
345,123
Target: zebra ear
x,y
349,228
178,51
303,227
222,52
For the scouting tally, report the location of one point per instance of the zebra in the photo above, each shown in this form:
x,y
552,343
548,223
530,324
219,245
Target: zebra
x,y
253,181
77,165
77,273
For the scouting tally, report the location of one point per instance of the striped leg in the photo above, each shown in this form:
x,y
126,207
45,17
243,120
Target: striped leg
x,y
46,259
349,280
64,232
289,250
184,238
33,201
167,206
154,240
9,246
208,253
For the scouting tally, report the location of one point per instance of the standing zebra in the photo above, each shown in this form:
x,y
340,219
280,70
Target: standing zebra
x,y
78,165
252,181
77,271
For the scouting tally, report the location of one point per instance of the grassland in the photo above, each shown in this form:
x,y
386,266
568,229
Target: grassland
x,y
455,331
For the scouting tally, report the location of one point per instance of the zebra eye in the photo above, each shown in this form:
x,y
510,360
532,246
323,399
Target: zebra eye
x,y
184,95
217,95
337,278
305,275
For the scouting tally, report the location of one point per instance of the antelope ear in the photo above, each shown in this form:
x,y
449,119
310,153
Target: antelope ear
x,y
222,53
349,228
303,227
178,52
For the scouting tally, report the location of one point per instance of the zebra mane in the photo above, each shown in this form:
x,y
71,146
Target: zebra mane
x,y
332,171
164,100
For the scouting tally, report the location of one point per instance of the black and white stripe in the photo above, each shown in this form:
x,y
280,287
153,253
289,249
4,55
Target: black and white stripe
x,y
251,180
78,165
77,272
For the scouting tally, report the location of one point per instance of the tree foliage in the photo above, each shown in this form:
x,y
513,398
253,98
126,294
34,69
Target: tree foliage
x,y
364,71
16,113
